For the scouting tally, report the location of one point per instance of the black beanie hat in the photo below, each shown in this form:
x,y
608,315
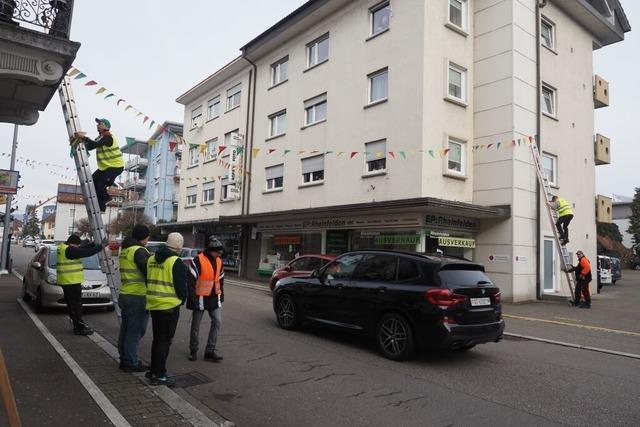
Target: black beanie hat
x,y
140,232
74,239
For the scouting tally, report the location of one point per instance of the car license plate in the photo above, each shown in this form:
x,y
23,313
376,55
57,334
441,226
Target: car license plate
x,y
91,295
475,302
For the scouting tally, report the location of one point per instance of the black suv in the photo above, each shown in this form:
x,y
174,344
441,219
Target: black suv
x,y
405,300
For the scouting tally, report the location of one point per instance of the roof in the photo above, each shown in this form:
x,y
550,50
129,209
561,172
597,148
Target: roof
x,y
622,200
174,127
138,147
228,71
604,19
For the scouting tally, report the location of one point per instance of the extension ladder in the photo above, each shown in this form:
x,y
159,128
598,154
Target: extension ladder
x,y
553,217
81,158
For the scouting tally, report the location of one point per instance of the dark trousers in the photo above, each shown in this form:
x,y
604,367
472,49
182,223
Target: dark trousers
x,y
562,224
102,180
73,298
164,328
132,327
582,289
214,329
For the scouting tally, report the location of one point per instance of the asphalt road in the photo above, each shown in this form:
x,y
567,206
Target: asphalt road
x,y
319,377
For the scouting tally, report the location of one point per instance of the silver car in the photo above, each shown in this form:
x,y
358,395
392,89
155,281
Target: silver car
x,y
40,282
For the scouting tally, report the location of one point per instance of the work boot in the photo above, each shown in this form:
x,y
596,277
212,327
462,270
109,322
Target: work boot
x,y
83,331
162,381
134,368
193,356
212,356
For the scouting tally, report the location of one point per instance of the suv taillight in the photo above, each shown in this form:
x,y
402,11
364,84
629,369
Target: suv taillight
x,y
444,297
497,298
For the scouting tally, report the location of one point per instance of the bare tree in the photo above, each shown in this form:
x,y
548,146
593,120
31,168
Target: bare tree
x,y
82,226
125,222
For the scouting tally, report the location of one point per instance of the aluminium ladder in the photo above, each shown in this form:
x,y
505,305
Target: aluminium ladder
x,y
553,217
94,215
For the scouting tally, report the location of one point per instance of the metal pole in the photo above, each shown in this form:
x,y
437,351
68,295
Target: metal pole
x,y
7,209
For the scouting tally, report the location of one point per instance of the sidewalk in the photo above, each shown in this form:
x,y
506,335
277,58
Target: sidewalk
x,y
48,392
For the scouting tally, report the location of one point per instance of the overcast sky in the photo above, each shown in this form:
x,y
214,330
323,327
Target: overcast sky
x,y
149,55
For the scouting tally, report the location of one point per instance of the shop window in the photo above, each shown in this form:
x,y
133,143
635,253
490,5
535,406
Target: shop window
x,y
279,249
341,268
376,268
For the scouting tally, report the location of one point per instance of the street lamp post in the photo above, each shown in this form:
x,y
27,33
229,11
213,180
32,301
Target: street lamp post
x,y
7,209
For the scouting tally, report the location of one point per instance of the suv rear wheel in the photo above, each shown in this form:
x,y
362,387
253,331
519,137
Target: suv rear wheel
x,y
287,312
394,337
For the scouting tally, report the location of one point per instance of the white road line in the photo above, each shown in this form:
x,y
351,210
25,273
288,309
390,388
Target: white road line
x,y
105,404
577,346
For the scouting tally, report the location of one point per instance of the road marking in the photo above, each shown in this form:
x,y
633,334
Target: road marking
x,y
98,396
189,412
568,318
590,327
247,285
577,346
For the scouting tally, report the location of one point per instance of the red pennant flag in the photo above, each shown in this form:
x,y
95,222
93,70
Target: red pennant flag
x,y
392,154
513,142
221,149
145,119
353,154
119,101
530,139
91,83
447,151
172,145
489,146
271,150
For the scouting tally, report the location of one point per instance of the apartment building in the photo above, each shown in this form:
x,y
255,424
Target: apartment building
x,y
152,173
367,120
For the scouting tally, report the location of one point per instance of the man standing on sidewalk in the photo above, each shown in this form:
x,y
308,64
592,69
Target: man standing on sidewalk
x,y
583,278
565,215
206,293
70,272
166,291
133,290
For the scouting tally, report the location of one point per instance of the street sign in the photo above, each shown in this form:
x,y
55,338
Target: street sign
x,y
8,181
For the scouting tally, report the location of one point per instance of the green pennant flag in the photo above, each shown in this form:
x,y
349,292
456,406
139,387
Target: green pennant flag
x,y
498,145
130,141
286,152
80,76
404,156
328,152
193,146
109,96
431,153
239,150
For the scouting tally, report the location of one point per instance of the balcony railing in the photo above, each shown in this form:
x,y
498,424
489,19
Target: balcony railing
x,y
135,183
135,163
133,204
49,16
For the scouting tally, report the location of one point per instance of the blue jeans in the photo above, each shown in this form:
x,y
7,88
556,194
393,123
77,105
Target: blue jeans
x,y
134,324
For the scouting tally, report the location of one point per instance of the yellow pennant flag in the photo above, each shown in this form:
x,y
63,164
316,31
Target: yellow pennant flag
x,y
203,148
255,152
102,89
152,142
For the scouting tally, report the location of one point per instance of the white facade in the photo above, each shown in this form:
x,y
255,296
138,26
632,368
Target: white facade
x,y
68,213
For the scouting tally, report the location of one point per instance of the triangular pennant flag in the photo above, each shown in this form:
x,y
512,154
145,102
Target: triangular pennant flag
x,y
431,153
128,107
80,76
221,148
519,142
130,141
300,152
328,152
446,151
392,154
489,146
151,124
314,151
254,152
192,146
172,145
152,142
498,145
91,83
404,156
353,154
513,142
239,150
109,95
203,148
145,119
101,90
119,101
139,114
271,150
340,153
72,72
286,152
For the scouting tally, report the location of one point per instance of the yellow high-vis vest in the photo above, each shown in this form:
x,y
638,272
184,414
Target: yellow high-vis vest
x,y
132,280
69,271
161,294
564,208
110,157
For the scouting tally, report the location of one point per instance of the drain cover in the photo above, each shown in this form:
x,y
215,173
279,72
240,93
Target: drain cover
x,y
191,379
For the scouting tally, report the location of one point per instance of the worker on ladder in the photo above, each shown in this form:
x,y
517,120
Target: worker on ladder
x,y
110,160
565,215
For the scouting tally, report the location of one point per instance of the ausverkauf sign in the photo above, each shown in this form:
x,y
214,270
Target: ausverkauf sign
x,y
8,181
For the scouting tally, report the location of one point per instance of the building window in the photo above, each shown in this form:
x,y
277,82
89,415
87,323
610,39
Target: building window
x,y
455,156
226,193
192,195
278,124
196,117
318,51
458,13
375,156
549,168
280,71
274,177
315,110
378,86
231,139
72,213
313,169
457,83
194,156
548,100
548,33
212,150
213,108
233,97
208,190
379,16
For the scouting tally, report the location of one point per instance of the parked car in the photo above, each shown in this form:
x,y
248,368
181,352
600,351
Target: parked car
x,y
616,269
28,242
40,282
404,300
186,254
300,266
41,243
635,263
604,270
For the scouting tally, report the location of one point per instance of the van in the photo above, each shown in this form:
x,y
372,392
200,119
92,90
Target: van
x,y
604,271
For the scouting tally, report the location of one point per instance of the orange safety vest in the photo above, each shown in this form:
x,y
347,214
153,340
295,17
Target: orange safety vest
x,y
207,280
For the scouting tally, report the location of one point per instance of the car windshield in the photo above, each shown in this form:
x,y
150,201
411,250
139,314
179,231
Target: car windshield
x,y
154,247
463,277
89,263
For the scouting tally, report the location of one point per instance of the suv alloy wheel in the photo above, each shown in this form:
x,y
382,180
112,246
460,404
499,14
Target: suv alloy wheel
x,y
394,337
287,313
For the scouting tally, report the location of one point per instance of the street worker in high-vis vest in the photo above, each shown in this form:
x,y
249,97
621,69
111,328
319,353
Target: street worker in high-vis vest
x,y
133,301
206,293
109,158
166,291
565,215
70,275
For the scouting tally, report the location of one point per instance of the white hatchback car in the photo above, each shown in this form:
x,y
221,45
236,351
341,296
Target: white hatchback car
x,y
40,282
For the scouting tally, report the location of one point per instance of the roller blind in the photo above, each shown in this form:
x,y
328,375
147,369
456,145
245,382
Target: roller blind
x,y
312,164
373,150
274,172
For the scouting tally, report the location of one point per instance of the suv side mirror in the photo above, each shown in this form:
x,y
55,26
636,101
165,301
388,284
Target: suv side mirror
x,y
287,268
36,265
315,273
